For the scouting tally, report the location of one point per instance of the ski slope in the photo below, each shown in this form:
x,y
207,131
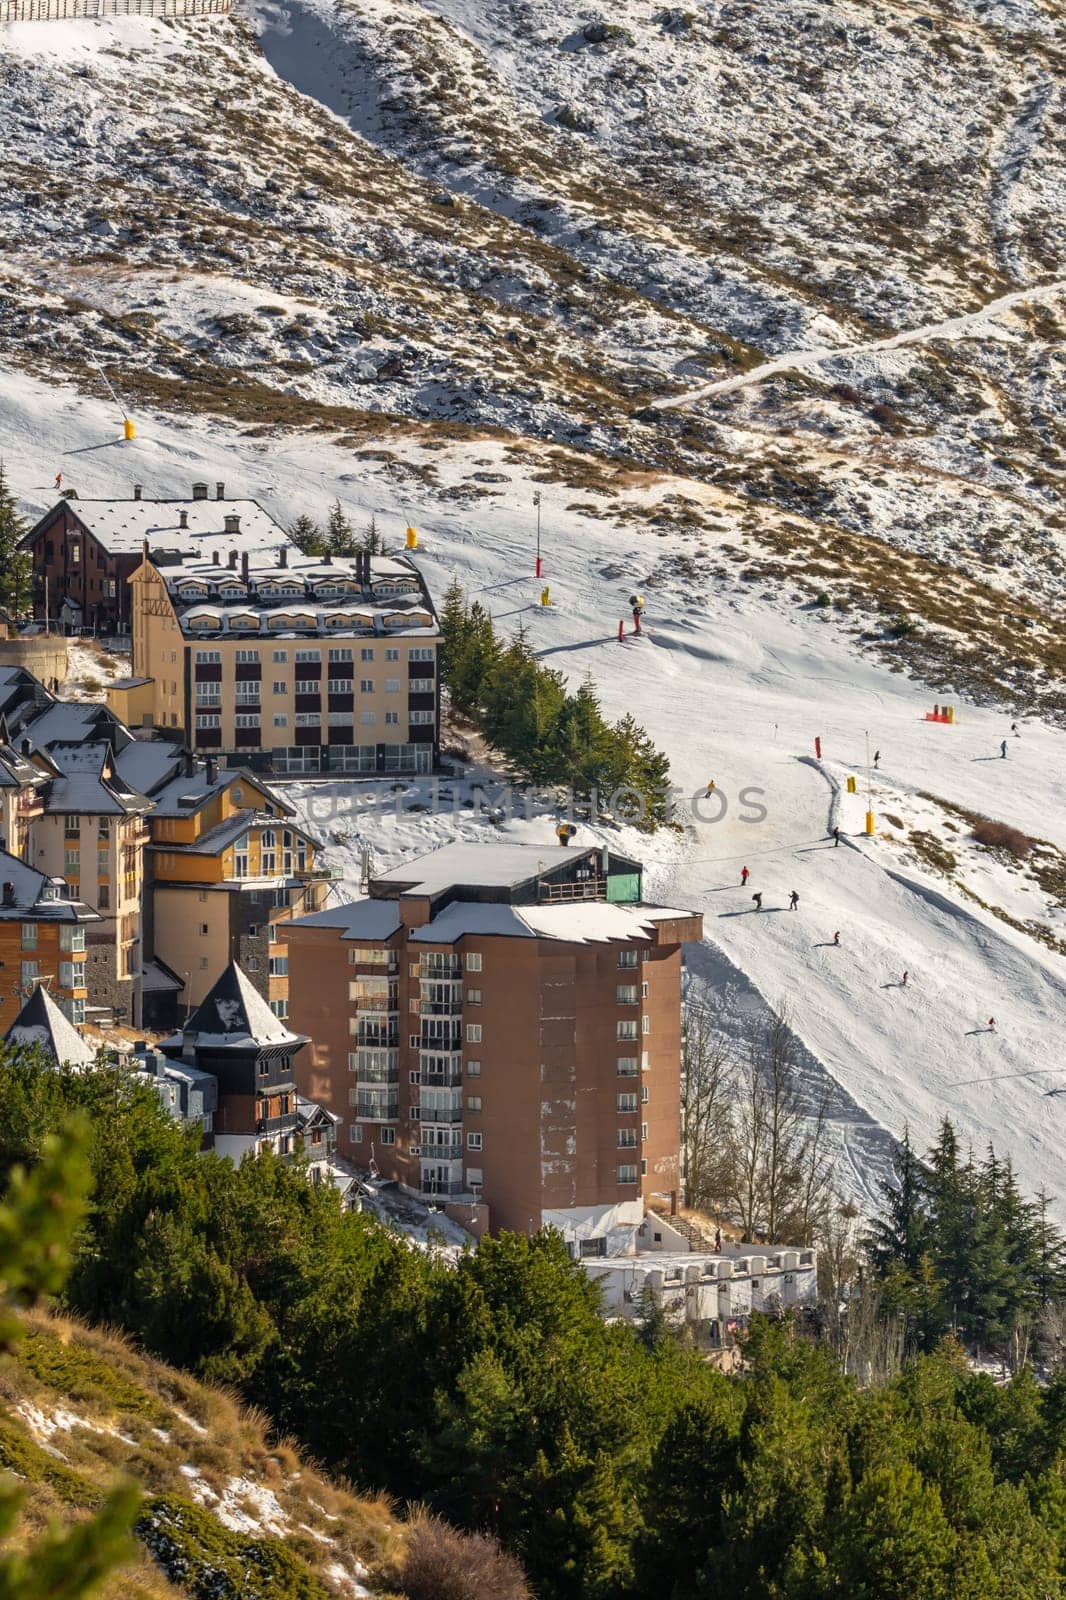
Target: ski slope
x,y
735,681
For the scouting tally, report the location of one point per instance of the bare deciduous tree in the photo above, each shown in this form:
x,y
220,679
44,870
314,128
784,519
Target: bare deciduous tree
x,y
706,1091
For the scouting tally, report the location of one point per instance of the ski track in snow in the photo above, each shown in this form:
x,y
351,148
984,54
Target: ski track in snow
x,y
807,360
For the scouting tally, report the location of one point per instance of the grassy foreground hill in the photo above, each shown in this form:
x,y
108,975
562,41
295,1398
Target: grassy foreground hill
x,y
226,1513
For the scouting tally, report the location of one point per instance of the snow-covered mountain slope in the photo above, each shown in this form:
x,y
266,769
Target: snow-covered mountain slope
x,y
503,220
735,680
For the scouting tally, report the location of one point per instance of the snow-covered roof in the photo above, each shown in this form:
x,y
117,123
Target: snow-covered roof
x,y
596,921
122,526
67,722
144,764
359,919
157,978
38,897
42,1023
234,1016
490,865
84,785
464,917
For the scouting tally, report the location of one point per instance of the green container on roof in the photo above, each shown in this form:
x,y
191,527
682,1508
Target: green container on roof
x,y
623,887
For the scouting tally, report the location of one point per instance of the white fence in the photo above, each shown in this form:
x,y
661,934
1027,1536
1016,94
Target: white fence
x,y
60,10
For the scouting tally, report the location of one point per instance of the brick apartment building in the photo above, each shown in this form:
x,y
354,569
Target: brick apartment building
x,y
499,1027
42,940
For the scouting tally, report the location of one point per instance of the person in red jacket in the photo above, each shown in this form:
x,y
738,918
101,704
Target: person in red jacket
x,y
744,876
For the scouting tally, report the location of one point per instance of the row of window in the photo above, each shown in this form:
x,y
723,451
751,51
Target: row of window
x,y
313,719
628,1029
213,658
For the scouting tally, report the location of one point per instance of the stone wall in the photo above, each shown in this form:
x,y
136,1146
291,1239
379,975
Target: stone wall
x,y
45,655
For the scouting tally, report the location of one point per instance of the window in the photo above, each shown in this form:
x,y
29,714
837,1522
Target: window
x,y
308,655
366,686
627,1030
240,863
280,656
645,1024
626,994
280,1008
339,685
388,1135
626,1103
339,655
473,1102
204,929
473,1033
628,1066
30,970
420,653
308,719
421,718
280,686
367,718
392,654
72,860
208,694
103,897
392,719
251,964
268,863
644,991
77,1011
627,1138
473,961
308,686
206,719
281,721
474,1141
29,937
414,1077
355,1133
644,1094
366,653
628,958
246,656
279,966
392,685
627,1173
208,657
69,974
644,1133
473,997
246,719
413,1040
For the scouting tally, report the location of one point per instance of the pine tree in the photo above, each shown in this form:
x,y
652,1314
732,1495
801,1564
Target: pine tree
x,y
472,667
584,756
901,1234
16,564
307,536
372,542
454,631
644,769
340,537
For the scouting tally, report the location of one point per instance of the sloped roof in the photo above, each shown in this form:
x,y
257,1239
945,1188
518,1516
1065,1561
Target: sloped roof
x,y
28,888
234,1016
145,764
358,919
41,1022
83,786
493,865
122,526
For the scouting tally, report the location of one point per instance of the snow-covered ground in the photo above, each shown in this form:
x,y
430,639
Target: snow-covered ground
x,y
735,681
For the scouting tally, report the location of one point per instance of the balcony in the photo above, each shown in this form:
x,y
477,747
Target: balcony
x,y
376,1004
440,1040
586,889
369,1037
440,967
432,1116
376,1110
442,1069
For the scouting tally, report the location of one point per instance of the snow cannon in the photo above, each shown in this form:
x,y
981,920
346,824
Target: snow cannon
x,y
869,824
128,429
851,785
412,538
546,596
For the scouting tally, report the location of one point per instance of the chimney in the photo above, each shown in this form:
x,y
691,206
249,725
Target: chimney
x,y
233,560
9,894
232,523
188,764
283,556
199,491
212,769
215,558
244,565
220,491
137,489
26,747
183,519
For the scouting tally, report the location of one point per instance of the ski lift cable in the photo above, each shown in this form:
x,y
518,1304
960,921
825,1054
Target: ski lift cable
x,y
116,397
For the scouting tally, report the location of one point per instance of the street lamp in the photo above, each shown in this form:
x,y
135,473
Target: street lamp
x,y
536,502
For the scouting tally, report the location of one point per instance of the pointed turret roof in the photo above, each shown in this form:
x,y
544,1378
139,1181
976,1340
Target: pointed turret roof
x,y
41,1022
234,1015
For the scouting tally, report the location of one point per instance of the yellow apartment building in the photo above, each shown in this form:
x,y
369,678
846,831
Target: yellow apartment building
x,y
227,866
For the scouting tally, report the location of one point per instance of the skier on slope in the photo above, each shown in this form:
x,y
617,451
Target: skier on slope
x,y
836,938
991,1024
836,837
877,757
793,900
1014,728
711,787
1003,750
59,480
903,980
757,897
744,876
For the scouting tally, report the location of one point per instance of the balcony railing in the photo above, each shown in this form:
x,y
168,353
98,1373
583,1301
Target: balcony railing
x,y
440,967
440,1152
377,1004
371,1038
452,1007
442,1070
441,1043
586,889
377,1110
